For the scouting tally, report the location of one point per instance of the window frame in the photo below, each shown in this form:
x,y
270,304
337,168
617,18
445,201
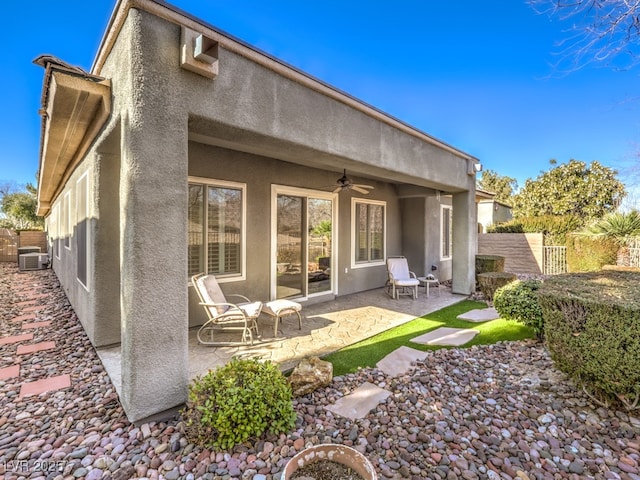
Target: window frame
x,y
84,177
372,263
448,234
54,230
66,214
211,182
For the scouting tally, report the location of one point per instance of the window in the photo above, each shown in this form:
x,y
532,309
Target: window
x,y
369,222
54,230
216,228
66,218
446,232
82,212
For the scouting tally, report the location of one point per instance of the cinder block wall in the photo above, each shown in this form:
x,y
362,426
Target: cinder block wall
x,y
33,239
523,252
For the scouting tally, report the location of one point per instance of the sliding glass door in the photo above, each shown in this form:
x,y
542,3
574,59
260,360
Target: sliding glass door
x,y
303,242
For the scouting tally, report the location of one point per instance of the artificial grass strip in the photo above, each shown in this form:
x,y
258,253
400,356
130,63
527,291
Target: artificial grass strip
x,y
370,351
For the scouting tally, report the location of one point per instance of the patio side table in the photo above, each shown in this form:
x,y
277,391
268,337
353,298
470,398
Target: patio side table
x,y
428,281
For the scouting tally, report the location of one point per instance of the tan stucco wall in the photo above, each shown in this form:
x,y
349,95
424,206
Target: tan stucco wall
x,y
523,252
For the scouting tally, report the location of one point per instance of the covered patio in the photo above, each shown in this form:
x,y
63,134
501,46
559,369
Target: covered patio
x,y
326,327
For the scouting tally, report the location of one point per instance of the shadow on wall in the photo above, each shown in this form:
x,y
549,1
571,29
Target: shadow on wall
x,y
523,252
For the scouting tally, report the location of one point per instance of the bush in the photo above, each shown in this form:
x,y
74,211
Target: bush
x,y
590,254
489,263
490,281
554,227
231,404
592,328
519,301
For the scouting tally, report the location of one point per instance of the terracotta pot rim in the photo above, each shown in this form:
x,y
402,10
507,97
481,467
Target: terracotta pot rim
x,y
331,451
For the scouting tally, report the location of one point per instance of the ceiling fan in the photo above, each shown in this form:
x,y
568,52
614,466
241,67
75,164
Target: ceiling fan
x,y
345,183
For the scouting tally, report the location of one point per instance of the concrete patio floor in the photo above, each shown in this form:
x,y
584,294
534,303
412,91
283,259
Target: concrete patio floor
x,y
326,327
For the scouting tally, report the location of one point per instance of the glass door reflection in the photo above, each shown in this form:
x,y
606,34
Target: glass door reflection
x,y
290,282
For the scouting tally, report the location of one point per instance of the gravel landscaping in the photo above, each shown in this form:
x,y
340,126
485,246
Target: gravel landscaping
x,y
487,412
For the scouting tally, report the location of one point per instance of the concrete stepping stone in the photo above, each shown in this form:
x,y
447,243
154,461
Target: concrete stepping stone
x,y
44,385
16,338
9,372
479,315
26,303
29,326
360,402
399,361
33,309
35,347
20,318
447,336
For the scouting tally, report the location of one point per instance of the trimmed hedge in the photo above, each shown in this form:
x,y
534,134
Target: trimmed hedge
x,y
592,328
489,282
590,254
621,268
554,227
519,301
489,263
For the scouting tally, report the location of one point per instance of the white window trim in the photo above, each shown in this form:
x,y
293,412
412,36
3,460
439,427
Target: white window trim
x,y
352,255
66,201
211,182
449,211
87,229
55,231
308,193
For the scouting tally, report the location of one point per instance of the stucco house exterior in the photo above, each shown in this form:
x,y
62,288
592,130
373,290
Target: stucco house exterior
x,y
491,211
184,149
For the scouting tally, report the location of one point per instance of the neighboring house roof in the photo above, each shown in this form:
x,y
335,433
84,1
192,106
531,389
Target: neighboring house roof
x,y
484,195
487,196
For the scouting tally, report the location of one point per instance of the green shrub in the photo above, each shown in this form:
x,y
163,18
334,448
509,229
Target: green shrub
x,y
489,282
554,227
592,328
519,301
241,400
589,254
489,263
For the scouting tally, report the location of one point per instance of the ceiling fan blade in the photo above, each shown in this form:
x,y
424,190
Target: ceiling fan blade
x,y
364,186
359,190
337,189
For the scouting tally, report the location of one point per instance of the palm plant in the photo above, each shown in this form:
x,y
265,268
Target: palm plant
x,y
623,228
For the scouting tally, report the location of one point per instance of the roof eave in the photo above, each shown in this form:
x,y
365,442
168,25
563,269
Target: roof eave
x,y
75,109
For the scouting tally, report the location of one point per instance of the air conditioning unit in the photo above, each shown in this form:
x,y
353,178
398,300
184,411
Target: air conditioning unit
x,y
33,261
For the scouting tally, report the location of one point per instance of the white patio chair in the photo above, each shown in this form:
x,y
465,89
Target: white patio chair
x,y
224,316
401,281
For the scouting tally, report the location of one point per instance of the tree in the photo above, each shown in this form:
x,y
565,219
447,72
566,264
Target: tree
x,y
20,208
602,31
504,187
573,188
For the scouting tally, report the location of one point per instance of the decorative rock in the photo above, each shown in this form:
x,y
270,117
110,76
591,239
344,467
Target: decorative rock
x,y
309,375
495,411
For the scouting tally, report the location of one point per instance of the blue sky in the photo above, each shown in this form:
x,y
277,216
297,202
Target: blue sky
x,y
477,75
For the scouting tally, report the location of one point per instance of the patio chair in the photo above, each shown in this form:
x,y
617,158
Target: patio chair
x,y
401,281
224,316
